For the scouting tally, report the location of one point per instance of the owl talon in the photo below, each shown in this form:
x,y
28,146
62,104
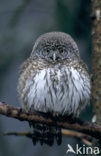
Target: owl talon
x,y
30,124
58,136
34,140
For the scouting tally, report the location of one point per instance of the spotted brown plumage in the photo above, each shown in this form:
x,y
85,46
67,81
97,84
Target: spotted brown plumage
x,y
54,79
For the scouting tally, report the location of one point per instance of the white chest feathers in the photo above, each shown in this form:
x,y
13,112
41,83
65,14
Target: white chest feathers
x,y
64,91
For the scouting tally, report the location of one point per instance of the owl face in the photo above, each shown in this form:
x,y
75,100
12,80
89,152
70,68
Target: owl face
x,y
53,52
55,46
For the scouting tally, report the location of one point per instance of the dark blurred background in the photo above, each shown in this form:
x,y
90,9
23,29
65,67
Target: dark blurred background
x,y
21,22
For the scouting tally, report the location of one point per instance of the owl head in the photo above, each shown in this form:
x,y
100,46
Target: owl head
x,y
55,46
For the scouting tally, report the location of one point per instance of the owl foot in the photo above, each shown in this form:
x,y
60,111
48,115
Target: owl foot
x,y
58,136
45,134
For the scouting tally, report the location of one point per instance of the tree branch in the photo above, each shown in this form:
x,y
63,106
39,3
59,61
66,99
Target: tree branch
x,y
88,128
85,138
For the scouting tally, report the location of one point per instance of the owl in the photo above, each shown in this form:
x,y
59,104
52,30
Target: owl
x,y
54,79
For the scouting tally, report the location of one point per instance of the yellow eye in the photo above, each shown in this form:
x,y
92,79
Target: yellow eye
x,y
61,51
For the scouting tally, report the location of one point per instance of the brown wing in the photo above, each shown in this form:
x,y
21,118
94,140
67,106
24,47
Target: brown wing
x,y
84,65
27,68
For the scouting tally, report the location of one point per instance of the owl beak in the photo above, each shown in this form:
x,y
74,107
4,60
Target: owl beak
x,y
54,56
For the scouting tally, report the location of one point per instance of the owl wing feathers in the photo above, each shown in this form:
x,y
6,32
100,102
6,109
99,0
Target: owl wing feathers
x,y
24,66
83,65
24,74
30,68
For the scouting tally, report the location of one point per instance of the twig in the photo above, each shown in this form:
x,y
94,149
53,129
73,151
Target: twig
x,y
75,134
87,142
85,138
88,128
27,134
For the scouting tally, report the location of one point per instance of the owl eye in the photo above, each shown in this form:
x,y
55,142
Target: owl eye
x,y
47,50
61,50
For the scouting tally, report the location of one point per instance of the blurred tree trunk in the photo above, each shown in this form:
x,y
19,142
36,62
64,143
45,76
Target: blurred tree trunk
x,y
96,59
96,62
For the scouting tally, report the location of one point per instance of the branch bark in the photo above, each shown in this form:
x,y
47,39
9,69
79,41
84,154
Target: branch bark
x,y
88,128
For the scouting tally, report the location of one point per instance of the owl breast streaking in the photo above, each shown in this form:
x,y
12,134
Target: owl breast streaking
x,y
54,79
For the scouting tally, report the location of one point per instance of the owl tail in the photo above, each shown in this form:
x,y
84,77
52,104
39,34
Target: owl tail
x,y
46,134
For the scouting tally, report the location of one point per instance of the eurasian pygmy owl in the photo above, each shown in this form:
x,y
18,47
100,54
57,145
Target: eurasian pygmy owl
x,y
54,78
